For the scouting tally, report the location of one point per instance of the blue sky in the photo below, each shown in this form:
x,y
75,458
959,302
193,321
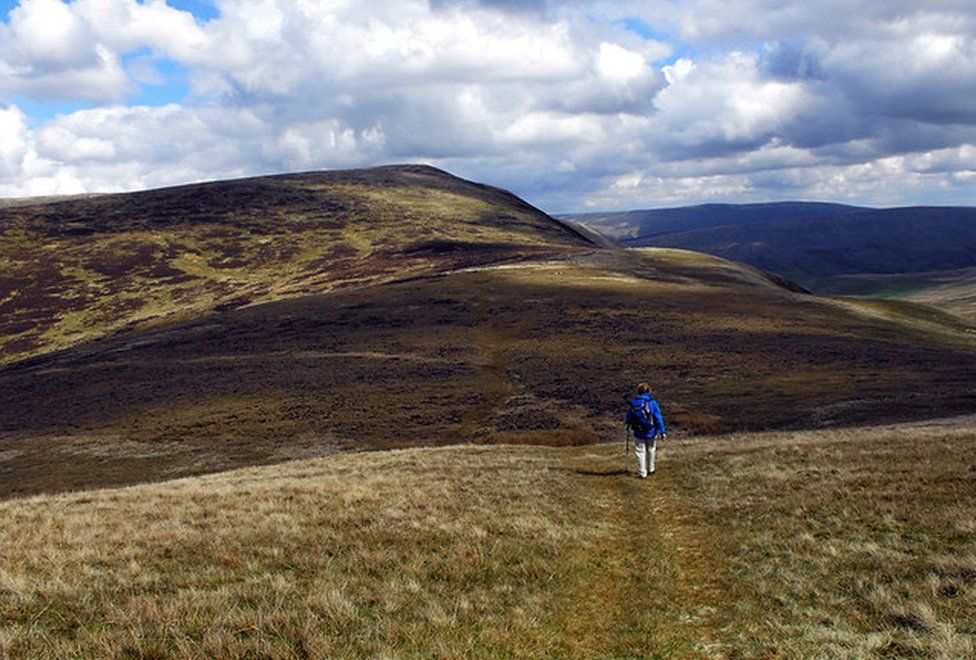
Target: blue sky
x,y
576,105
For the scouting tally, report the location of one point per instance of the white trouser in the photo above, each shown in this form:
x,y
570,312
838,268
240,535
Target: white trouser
x,y
645,455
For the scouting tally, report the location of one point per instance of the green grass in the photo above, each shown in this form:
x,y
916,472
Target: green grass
x,y
856,543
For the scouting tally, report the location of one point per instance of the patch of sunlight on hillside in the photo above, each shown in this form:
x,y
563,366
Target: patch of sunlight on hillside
x,y
921,317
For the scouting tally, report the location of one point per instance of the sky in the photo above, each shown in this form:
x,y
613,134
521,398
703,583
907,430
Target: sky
x,y
576,105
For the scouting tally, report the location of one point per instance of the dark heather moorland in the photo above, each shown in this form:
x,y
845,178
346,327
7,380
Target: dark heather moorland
x,y
195,329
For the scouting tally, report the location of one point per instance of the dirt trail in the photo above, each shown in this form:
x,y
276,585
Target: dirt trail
x,y
648,586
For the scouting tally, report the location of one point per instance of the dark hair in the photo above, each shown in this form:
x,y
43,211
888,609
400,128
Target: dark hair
x,y
643,388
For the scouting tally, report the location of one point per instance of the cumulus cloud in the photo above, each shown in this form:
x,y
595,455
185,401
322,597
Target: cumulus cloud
x,y
47,50
577,104
726,105
14,141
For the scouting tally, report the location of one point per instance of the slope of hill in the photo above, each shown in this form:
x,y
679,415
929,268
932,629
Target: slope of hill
x,y
245,322
635,225
854,543
530,352
78,268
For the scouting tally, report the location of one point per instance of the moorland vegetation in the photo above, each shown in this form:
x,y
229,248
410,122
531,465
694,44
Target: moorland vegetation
x,y
378,412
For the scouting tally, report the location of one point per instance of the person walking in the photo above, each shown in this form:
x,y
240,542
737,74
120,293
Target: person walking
x,y
645,420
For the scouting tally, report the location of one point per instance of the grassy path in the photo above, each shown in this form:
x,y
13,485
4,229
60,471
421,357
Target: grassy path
x,y
647,586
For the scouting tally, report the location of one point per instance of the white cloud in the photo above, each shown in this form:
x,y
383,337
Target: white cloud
x,y
619,65
14,141
124,25
48,51
546,128
726,101
47,33
123,148
564,102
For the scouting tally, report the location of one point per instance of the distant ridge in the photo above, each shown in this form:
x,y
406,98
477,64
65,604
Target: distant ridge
x,y
920,253
644,223
879,241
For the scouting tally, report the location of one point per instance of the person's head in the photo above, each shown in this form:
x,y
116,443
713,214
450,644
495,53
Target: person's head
x,y
643,388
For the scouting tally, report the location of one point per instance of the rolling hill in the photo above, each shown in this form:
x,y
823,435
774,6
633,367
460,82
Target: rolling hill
x,y
890,241
498,325
214,367
951,290
77,269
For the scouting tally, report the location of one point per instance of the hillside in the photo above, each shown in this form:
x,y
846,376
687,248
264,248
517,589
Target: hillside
x,y
80,268
228,324
273,334
645,223
538,352
853,543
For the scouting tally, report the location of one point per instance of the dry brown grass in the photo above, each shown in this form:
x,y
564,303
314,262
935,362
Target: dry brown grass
x,y
851,543
406,552
544,438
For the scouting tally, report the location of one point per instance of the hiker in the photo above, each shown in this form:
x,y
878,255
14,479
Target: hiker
x,y
645,420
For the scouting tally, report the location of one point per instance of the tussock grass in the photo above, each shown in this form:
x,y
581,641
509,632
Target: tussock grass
x,y
848,543
413,552
853,543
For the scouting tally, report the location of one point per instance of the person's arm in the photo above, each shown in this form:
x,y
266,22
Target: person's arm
x,y
658,419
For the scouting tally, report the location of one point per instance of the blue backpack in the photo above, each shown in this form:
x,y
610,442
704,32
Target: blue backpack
x,y
640,417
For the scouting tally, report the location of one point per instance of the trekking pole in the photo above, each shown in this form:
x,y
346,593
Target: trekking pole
x,y
627,444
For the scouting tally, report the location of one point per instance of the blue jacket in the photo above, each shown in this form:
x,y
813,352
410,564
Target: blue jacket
x,y
655,410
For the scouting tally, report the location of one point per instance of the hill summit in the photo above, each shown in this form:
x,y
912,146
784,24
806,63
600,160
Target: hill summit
x,y
80,268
